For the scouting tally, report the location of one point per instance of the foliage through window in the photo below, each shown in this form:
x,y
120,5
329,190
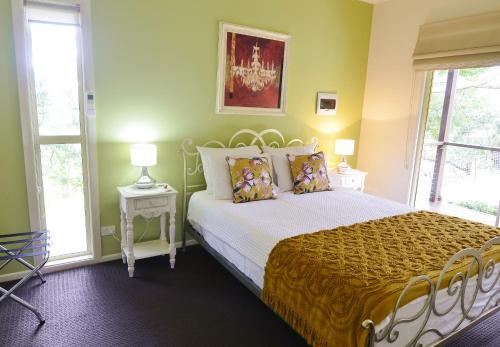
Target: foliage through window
x,y
467,182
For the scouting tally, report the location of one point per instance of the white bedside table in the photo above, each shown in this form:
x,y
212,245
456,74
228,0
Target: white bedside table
x,y
353,179
149,203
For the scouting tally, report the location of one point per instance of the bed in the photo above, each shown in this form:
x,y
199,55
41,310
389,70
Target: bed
x,y
243,243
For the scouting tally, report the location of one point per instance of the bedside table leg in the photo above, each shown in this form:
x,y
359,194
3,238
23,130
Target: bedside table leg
x,y
163,237
123,233
173,249
130,246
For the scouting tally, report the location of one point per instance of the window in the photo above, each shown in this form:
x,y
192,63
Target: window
x,y
459,166
52,85
59,128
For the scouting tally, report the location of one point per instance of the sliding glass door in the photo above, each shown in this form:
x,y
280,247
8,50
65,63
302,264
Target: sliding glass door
x,y
459,164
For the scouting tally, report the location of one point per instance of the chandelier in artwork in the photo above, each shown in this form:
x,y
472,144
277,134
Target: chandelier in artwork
x,y
255,75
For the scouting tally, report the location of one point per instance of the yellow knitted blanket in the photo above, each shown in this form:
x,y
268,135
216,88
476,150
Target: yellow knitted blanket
x,y
326,283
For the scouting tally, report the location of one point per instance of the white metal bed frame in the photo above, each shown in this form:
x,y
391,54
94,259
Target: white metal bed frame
x,y
478,270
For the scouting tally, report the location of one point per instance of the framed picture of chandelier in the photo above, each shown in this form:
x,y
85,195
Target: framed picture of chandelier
x,y
252,71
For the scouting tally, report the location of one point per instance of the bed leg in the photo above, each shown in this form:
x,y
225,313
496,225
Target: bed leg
x,y
184,240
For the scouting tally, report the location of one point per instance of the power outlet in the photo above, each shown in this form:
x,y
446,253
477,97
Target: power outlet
x,y
108,230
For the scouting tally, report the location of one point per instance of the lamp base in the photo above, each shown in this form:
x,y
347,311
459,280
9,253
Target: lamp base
x,y
145,181
343,167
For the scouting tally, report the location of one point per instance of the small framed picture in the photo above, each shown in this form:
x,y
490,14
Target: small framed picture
x,y
326,104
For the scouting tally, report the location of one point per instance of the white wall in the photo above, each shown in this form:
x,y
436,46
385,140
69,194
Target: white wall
x,y
393,90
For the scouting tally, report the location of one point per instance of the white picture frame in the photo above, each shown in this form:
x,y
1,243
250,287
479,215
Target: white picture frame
x,y
221,108
326,104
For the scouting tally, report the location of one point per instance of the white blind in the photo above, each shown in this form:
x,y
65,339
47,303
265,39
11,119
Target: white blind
x,y
472,41
38,11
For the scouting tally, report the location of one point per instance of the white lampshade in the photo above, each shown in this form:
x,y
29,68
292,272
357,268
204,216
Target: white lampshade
x,y
344,147
143,154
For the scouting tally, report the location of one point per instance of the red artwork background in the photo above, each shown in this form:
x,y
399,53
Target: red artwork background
x,y
270,51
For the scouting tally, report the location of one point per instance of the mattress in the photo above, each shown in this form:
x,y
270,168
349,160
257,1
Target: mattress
x,y
246,233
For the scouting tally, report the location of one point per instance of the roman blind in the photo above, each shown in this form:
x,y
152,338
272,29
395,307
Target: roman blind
x,y
46,12
472,41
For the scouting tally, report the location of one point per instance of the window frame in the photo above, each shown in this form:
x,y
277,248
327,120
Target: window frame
x,y
27,104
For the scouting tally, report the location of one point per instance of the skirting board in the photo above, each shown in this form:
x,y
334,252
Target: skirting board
x,y
71,265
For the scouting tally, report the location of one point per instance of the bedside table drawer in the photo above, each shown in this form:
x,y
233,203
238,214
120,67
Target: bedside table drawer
x,y
351,181
150,203
354,179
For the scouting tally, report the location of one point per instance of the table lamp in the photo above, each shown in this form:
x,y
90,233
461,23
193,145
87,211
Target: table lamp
x,y
143,155
344,147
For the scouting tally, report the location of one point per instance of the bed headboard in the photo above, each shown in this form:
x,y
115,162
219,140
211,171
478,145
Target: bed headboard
x,y
245,137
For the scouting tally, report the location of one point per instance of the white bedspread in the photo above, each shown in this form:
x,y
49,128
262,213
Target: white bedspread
x,y
253,229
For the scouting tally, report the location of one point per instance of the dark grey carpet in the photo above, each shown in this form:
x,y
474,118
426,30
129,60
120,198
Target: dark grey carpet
x,y
197,304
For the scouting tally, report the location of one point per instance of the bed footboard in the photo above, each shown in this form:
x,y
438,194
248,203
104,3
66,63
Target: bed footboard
x,y
484,276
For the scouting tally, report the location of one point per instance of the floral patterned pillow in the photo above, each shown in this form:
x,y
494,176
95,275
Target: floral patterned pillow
x,y
251,179
309,173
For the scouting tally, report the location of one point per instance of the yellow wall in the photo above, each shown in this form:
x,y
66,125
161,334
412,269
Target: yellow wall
x,y
13,199
155,75
393,92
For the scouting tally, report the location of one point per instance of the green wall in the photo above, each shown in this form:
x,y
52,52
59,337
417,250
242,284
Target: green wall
x,y
155,72
13,197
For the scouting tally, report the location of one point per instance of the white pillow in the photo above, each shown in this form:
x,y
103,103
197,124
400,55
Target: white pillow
x,y
216,169
283,176
206,170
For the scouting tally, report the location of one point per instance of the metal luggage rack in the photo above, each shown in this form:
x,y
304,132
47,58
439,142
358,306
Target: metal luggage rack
x,y
19,247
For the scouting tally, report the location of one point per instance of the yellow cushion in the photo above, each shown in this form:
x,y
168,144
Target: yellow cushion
x,y
251,179
309,173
